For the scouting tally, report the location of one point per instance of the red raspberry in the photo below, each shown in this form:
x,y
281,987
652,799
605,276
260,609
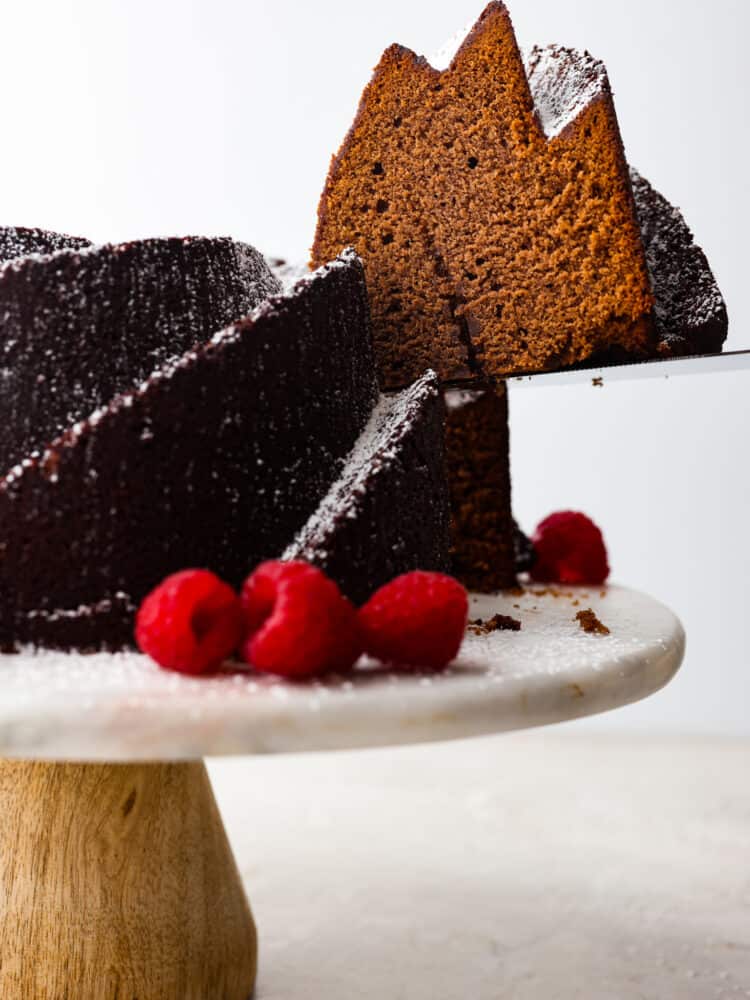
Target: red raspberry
x,y
298,623
190,623
569,549
417,620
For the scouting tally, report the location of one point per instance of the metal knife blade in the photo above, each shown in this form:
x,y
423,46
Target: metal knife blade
x,y
697,364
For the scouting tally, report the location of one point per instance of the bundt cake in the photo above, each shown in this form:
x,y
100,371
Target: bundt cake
x,y
493,207
172,403
214,448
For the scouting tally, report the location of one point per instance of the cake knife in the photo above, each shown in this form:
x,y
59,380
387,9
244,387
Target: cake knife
x,y
694,364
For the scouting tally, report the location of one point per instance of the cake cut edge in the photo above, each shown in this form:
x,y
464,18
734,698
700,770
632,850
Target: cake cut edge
x,y
387,513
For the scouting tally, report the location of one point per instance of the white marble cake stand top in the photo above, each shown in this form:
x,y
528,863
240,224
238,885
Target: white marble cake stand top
x,y
122,707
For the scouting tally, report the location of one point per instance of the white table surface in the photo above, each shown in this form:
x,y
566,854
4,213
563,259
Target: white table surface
x,y
540,866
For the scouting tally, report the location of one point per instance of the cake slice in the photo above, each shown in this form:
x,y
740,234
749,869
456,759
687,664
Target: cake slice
x,y
493,210
387,513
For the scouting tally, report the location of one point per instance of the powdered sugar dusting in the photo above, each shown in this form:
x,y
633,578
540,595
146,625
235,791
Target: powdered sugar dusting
x,y
378,445
288,272
82,324
103,607
446,53
563,83
270,291
294,276
249,259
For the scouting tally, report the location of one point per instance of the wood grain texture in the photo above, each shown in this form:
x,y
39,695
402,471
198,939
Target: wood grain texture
x,y
117,883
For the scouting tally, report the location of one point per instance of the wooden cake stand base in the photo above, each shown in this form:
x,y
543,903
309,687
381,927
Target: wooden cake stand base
x,y
116,879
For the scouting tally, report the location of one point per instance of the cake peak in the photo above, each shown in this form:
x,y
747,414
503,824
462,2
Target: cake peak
x,y
493,211
563,82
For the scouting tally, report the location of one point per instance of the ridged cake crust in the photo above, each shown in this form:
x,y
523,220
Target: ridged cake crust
x,y
691,316
388,511
19,241
490,245
81,325
478,463
217,460
271,428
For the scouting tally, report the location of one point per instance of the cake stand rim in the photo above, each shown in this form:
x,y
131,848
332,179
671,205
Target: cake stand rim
x,y
374,713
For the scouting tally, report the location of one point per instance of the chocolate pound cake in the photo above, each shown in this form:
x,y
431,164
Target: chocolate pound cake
x,y
218,459
493,209
387,513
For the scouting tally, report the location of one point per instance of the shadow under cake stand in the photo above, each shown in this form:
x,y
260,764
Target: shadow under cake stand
x,y
118,882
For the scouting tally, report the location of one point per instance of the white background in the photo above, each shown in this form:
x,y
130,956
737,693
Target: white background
x,y
126,119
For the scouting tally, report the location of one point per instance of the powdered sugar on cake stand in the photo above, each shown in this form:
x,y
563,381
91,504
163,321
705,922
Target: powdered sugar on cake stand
x,y
121,707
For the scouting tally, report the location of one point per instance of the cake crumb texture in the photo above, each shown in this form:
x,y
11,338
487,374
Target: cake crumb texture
x,y
492,206
483,553
498,623
590,623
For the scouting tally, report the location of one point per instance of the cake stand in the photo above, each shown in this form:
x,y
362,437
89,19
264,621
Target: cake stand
x,y
117,880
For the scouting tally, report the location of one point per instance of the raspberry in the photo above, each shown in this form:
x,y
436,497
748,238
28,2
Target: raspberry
x,y
569,549
298,623
418,620
190,623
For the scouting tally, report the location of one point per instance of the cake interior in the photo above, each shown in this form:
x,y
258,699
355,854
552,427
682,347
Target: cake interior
x,y
478,468
490,245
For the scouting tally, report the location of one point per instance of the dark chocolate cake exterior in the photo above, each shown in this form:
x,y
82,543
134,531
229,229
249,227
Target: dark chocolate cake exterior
x,y
18,241
80,326
690,314
388,511
217,460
